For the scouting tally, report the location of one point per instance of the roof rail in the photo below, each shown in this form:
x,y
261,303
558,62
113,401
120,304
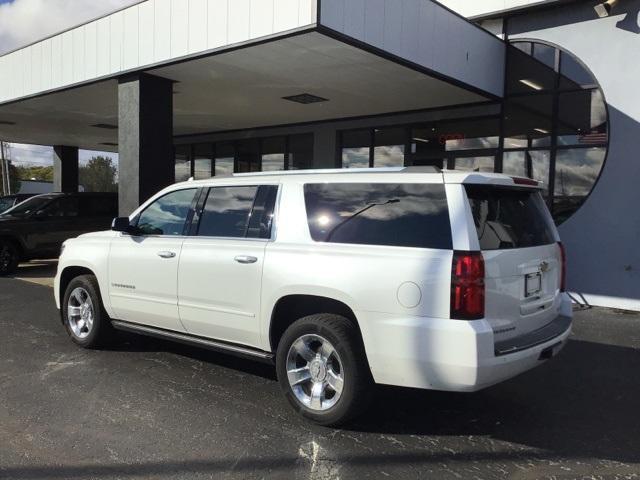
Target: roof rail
x,y
422,169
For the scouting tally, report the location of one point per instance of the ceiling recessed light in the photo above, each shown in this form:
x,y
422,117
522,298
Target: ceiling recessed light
x,y
106,126
6,122
541,130
531,84
305,98
423,140
109,144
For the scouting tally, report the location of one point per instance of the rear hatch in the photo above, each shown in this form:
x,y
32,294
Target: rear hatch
x,y
523,262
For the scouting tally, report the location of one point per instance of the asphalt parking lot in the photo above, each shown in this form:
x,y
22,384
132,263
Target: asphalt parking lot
x,y
152,409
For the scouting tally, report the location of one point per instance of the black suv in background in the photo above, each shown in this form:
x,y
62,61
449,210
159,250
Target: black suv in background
x,y
10,201
37,227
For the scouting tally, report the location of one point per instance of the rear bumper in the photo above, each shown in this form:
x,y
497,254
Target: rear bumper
x,y
453,355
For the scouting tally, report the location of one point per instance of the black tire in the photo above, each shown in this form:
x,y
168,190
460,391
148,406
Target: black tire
x,y
345,338
101,332
9,257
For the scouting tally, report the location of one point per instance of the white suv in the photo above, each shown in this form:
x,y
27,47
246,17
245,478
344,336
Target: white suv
x,y
410,277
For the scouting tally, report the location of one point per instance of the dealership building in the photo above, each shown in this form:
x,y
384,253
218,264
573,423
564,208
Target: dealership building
x,y
195,88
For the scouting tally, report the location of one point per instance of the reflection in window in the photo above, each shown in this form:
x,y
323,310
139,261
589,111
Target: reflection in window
x,y
515,163
167,215
389,147
582,118
248,155
301,151
183,163
576,172
226,212
273,154
202,159
401,215
540,164
556,125
475,164
225,157
355,149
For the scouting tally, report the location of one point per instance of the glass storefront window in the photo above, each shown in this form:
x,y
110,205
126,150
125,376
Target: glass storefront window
x,y
202,160
582,118
225,157
577,170
573,73
355,148
301,151
183,163
248,155
475,164
540,168
389,147
529,119
273,154
515,163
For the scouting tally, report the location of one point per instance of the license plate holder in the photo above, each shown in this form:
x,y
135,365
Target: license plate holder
x,y
532,284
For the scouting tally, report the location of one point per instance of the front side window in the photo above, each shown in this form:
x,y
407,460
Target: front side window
x,y
167,215
227,211
401,215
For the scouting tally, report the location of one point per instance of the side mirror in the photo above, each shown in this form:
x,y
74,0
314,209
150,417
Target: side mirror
x,y
121,224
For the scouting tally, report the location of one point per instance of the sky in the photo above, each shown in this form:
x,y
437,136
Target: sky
x,y
25,21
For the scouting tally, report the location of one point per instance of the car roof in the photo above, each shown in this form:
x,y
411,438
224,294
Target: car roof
x,y
376,175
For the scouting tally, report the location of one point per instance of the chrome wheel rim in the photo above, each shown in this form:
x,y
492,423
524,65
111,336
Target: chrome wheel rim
x,y
80,313
315,372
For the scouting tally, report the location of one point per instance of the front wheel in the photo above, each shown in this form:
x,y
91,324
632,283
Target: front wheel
x,y
322,369
85,319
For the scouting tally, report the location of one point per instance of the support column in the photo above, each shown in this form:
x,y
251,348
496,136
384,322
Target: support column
x,y
65,169
145,139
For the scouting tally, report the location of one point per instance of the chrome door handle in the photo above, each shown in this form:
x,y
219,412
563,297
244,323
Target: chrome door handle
x,y
166,254
246,259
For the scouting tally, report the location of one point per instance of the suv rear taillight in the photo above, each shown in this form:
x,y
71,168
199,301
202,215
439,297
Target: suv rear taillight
x,y
563,268
467,286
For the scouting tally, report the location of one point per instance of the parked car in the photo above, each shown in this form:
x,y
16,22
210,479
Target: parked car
x,y
410,277
9,201
37,227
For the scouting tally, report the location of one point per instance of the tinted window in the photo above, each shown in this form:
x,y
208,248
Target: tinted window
x,y
226,212
168,214
63,207
100,206
261,217
402,215
509,218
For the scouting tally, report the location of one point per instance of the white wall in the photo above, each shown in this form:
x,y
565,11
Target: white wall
x,y
424,33
146,33
474,8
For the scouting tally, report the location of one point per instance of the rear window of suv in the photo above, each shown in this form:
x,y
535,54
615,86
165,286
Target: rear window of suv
x,y
507,218
389,214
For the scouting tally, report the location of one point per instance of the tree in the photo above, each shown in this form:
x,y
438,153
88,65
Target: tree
x,y
38,173
99,175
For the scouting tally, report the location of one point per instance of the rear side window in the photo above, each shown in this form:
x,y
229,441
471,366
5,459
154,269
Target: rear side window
x,y
391,214
508,218
226,212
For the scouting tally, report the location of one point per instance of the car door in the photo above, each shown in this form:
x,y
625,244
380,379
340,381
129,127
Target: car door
x,y
220,274
54,224
143,267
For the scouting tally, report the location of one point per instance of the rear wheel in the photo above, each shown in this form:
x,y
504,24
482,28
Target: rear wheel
x,y
322,369
85,319
9,257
